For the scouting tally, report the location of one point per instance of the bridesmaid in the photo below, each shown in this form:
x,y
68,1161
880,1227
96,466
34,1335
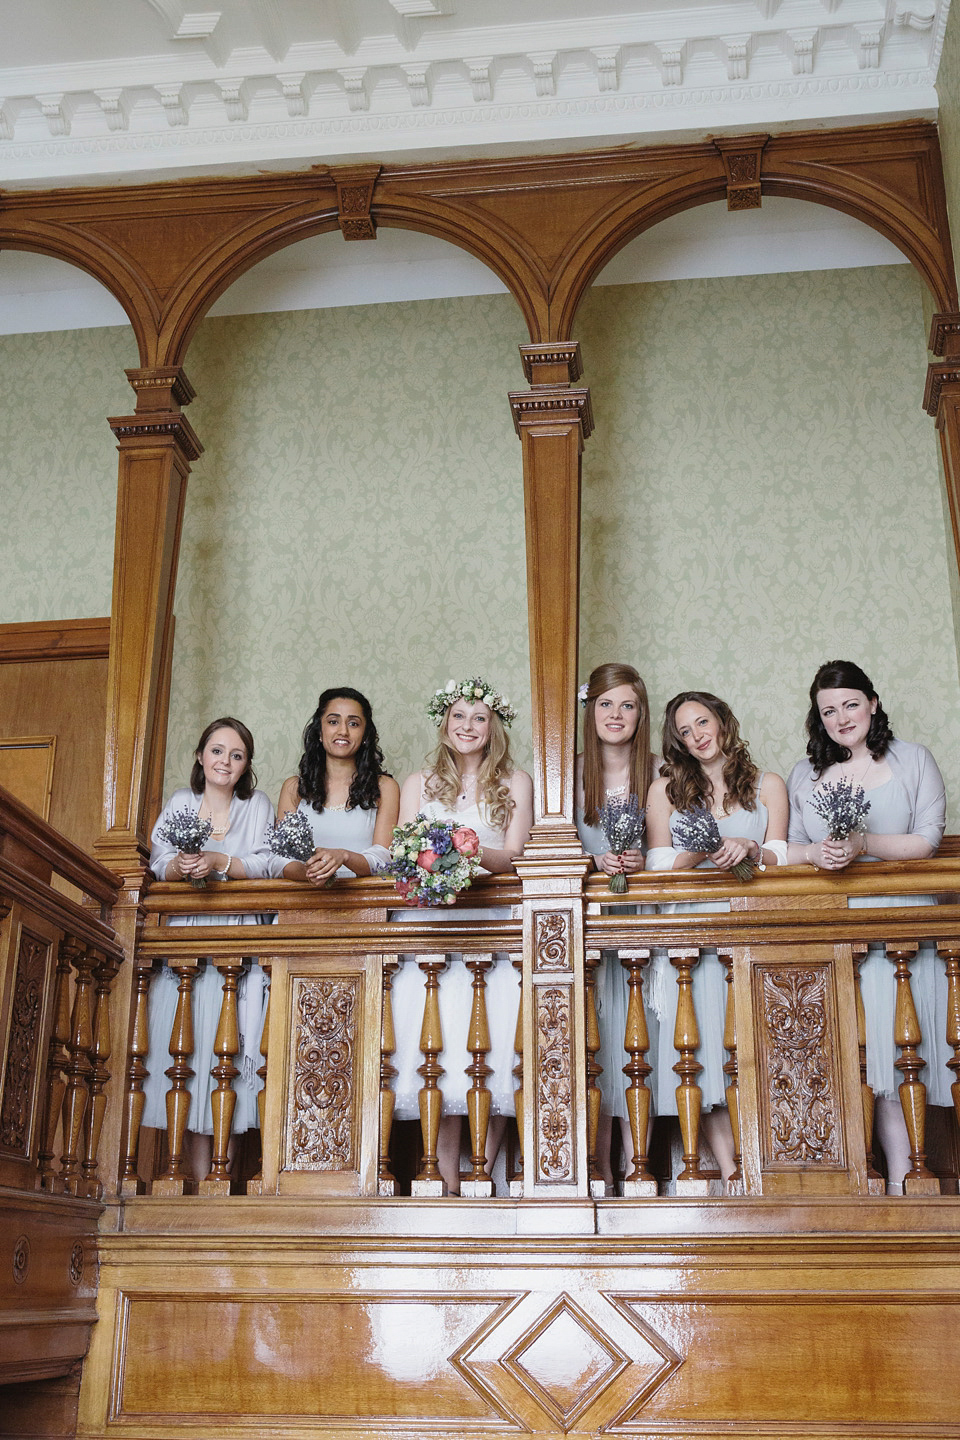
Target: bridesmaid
x,y
706,763
616,762
470,778
849,738
343,790
222,791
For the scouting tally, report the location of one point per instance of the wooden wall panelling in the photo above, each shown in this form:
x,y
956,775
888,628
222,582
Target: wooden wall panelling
x,y
54,680
27,965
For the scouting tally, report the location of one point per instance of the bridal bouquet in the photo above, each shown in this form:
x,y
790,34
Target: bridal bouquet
x,y
292,837
842,807
186,832
431,861
697,830
622,822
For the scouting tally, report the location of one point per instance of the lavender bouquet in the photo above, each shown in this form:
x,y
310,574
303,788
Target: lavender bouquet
x,y
622,822
697,830
842,807
292,837
186,832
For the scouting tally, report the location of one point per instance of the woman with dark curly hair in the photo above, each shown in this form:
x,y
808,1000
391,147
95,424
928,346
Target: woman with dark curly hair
x,y
342,788
706,763
849,738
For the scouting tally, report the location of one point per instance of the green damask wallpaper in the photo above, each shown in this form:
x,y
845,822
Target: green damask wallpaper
x,y
760,493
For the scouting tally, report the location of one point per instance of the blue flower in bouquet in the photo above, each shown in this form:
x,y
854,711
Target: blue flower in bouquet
x,y
292,837
842,806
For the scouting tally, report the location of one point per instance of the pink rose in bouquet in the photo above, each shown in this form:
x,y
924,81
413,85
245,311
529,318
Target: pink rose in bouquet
x,y
427,859
466,841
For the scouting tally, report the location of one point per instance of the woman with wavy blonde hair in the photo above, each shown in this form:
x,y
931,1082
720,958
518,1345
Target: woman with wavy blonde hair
x,y
469,778
705,763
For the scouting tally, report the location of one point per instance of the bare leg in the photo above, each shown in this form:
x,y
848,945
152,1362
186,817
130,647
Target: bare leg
x,y
198,1151
604,1141
715,1125
495,1128
892,1130
448,1152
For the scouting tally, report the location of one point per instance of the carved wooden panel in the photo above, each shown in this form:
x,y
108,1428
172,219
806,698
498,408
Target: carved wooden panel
x,y
21,1074
321,1129
554,1093
800,1097
552,931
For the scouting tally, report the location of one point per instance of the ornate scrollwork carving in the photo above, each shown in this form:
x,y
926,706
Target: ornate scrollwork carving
x,y
321,1133
801,1083
552,940
19,1080
75,1267
554,1084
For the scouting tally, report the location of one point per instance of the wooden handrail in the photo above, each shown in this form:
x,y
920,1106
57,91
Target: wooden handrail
x,y
53,851
232,897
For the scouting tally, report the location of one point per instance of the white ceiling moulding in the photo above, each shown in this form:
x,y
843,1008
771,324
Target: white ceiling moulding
x,y
248,90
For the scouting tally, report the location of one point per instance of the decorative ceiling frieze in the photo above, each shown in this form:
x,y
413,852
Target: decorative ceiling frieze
x,y
180,86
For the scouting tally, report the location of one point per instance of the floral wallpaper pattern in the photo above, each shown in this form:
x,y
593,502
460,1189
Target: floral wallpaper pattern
x,y
761,492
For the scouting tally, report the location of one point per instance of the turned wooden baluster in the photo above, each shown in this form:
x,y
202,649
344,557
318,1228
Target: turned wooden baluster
x,y
255,1184
732,1088
516,1179
594,1068
478,1183
429,1181
99,1076
950,953
223,1101
174,1179
79,1070
636,1042
58,1062
137,1072
875,1185
686,1041
913,1092
386,1180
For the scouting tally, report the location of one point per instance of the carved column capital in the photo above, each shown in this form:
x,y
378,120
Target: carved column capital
x,y
552,362
552,405
945,334
160,387
941,374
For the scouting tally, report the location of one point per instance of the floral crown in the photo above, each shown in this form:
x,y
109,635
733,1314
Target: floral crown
x,y
473,690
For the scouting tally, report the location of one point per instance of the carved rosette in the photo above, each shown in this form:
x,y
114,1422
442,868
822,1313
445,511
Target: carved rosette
x,y
20,1075
803,1093
552,941
554,1084
320,1135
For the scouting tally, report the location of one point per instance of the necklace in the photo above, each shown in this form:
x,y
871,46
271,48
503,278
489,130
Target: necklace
x,y
469,783
848,774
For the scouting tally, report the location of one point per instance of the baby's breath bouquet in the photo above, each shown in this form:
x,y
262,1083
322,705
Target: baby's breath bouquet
x,y
697,830
431,861
842,806
622,821
292,837
188,834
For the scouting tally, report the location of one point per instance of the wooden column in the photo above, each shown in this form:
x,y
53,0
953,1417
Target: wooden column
x,y
157,446
941,399
553,419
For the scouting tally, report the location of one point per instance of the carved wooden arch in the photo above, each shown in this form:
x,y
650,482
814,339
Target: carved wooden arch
x,y
888,177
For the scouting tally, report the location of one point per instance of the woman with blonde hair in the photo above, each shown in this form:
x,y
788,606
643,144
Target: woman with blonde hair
x,y
469,778
615,763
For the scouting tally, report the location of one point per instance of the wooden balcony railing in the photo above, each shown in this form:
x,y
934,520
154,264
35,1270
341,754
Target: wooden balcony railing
x,y
791,948
58,961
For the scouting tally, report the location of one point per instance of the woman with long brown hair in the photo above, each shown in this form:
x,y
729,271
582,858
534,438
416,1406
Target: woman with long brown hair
x,y
706,763
615,763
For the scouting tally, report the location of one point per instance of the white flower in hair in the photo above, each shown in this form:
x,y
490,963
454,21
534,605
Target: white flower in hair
x,y
583,693
473,689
